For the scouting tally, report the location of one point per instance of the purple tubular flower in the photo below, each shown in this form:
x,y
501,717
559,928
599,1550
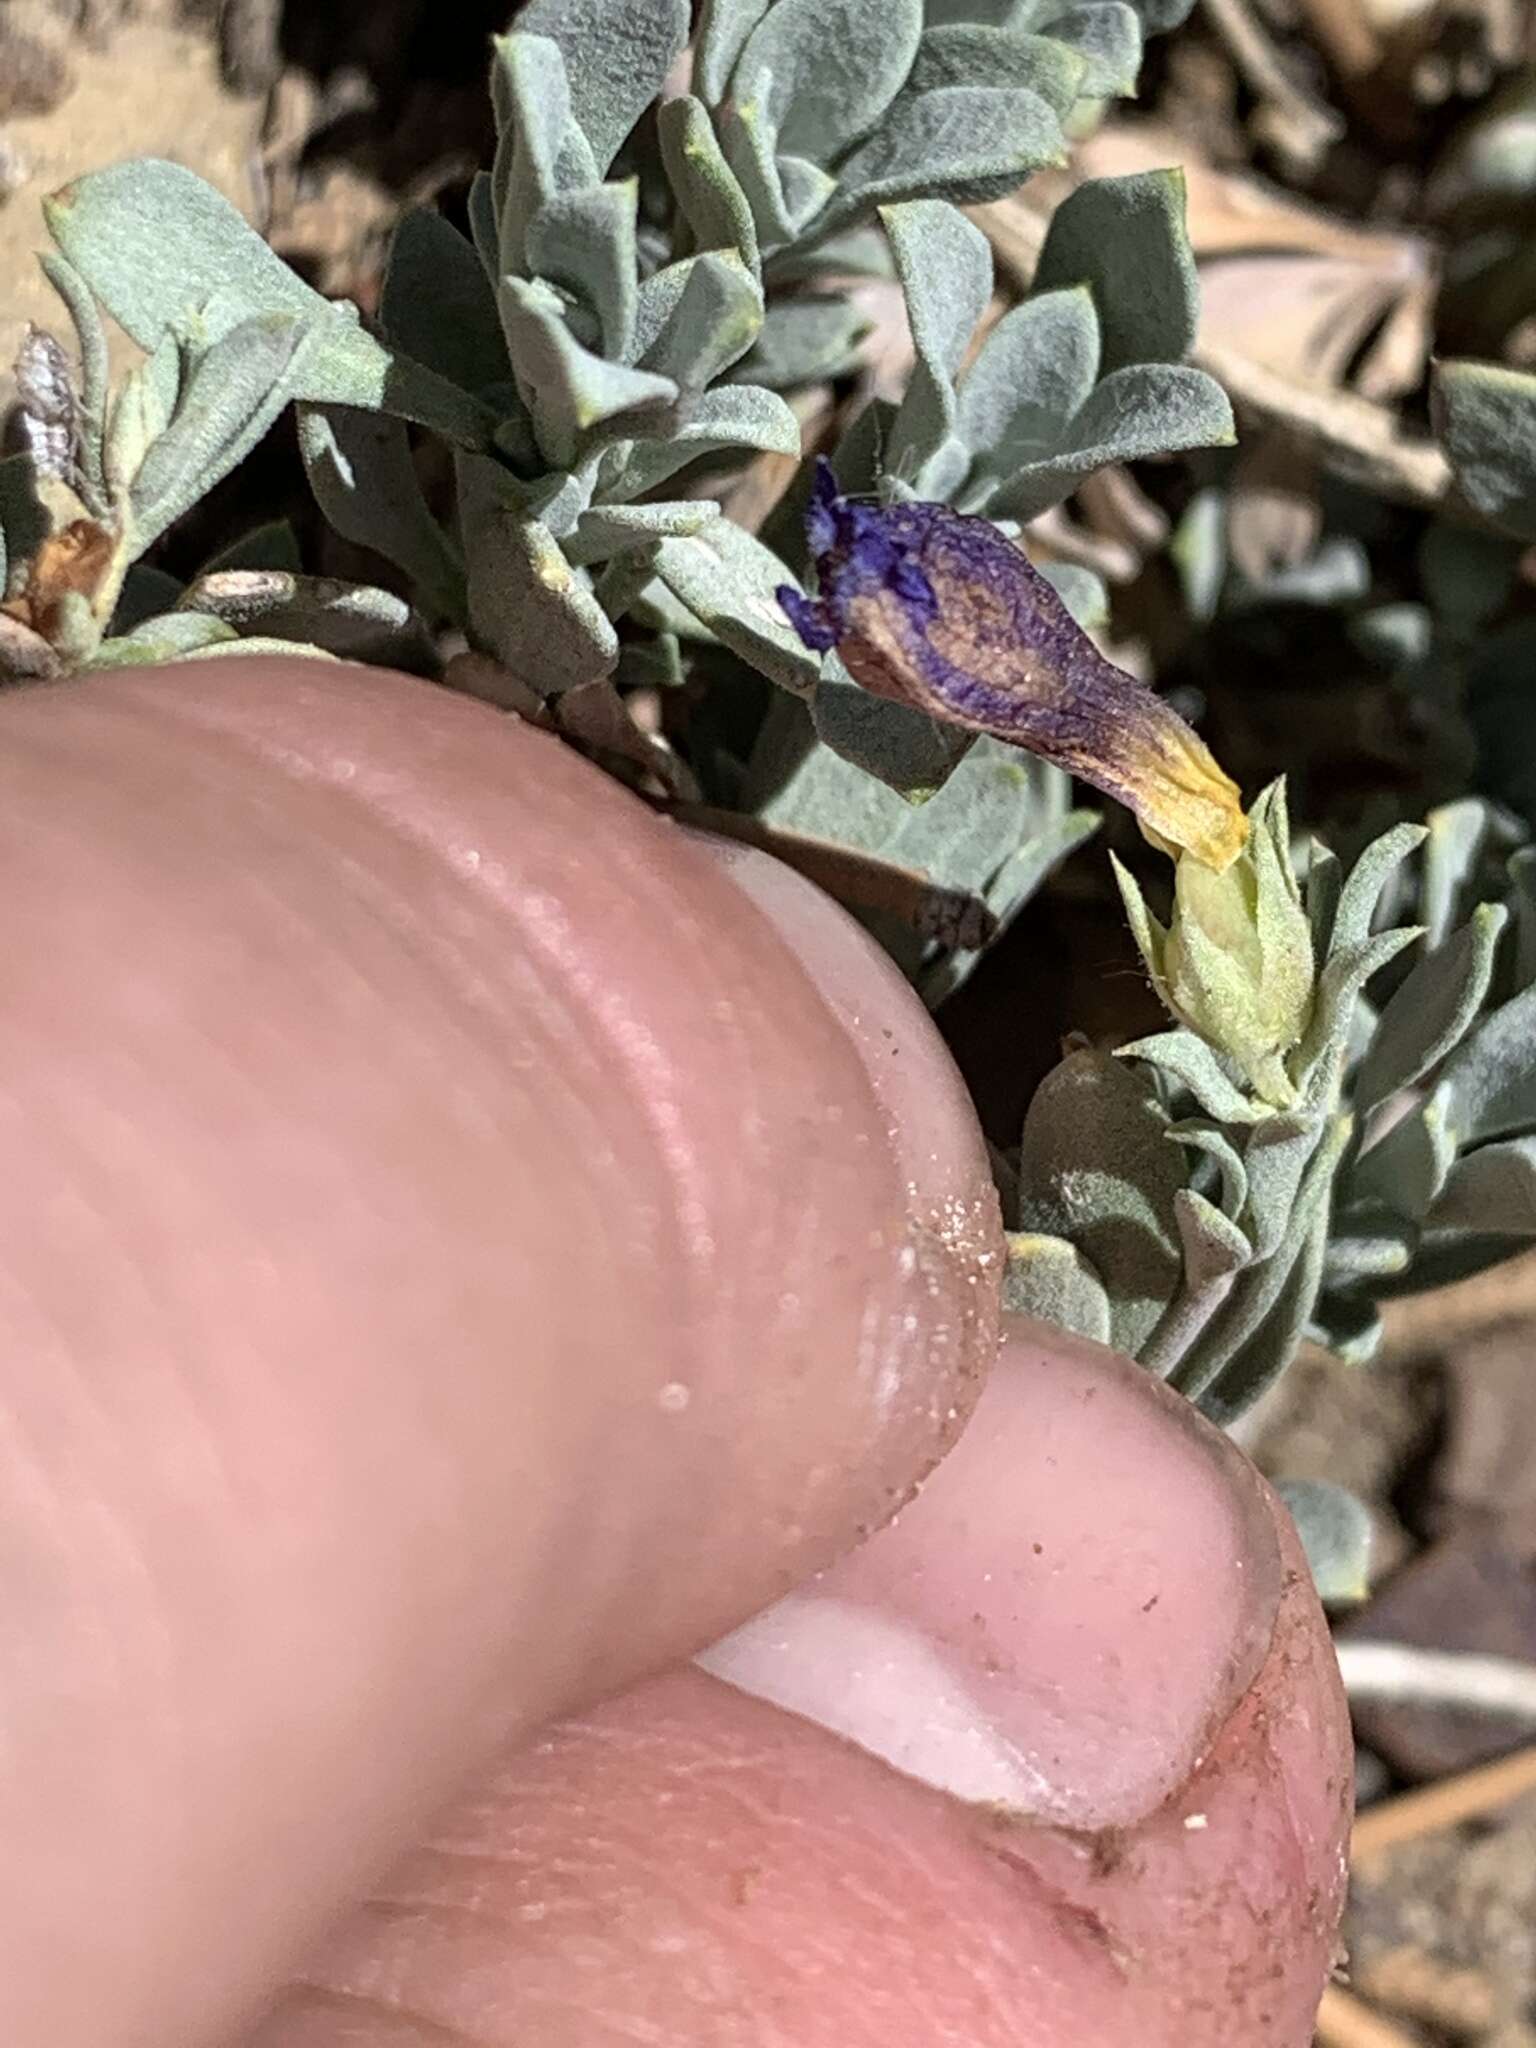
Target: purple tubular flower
x,y
942,612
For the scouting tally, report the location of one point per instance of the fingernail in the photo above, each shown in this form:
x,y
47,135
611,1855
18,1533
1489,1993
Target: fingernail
x,y
952,1261
1061,1620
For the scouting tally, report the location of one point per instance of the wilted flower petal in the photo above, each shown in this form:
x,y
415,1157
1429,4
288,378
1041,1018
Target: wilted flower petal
x,y
943,612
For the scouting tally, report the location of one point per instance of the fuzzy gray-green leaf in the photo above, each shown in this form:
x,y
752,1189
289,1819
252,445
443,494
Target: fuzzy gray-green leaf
x,y
1335,1532
727,579
724,26
617,55
1143,409
904,748
527,605
1487,418
1107,36
541,147
1276,1158
1096,1168
360,469
1125,239
976,53
584,242
567,389
1190,1061
1491,1192
437,303
1033,374
1049,1278
708,191
1361,894
944,263
731,416
712,323
235,392
161,250
353,621
1458,835
962,143
1430,1011
824,71
804,340
164,637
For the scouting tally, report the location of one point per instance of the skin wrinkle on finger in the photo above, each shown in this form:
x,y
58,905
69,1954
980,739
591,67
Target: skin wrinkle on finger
x,y
308,1435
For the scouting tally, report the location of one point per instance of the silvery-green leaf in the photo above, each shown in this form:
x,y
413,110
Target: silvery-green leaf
x,y
1407,1168
804,340
747,139
824,71
1080,590
1031,378
1335,1532
1150,935
962,143
541,147
25,655
1276,1158
1049,1278
24,520
1096,1167
558,498
1125,239
732,416
567,389
617,56
163,638
584,242
437,302
235,392
724,26
1486,414
1214,1252
1011,888
715,318
708,192
1347,1325
91,395
360,469
1522,887
1325,1043
855,252
350,620
1367,1244
481,208
1199,552
609,530
1214,1247
806,188
1458,836
904,748
975,53
527,605
1255,1335
1140,410
1491,1191
1431,1009
160,248
1219,1149
1107,35
727,578
273,545
1488,1087
139,414
944,263
1192,1063
1325,877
